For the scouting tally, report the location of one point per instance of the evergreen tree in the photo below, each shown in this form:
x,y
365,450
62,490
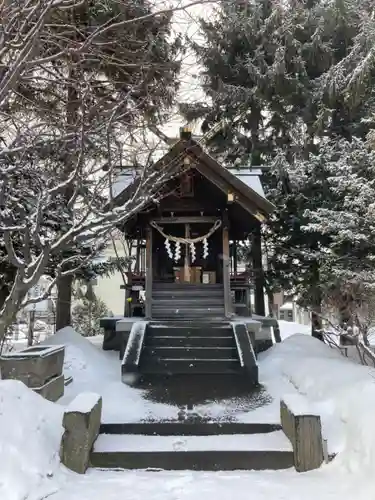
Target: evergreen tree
x,y
347,263
88,310
283,69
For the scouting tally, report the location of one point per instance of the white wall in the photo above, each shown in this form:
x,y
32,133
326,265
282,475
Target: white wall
x,y
108,289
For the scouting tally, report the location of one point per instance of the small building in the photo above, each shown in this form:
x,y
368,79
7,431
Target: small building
x,y
188,295
287,312
188,240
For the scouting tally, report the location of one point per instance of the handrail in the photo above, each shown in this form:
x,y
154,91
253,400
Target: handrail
x,y
366,352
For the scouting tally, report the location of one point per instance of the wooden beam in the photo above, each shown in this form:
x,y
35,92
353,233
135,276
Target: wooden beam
x,y
148,286
224,186
174,204
226,267
186,220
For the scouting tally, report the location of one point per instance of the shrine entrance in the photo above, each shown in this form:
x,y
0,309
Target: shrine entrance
x,y
187,250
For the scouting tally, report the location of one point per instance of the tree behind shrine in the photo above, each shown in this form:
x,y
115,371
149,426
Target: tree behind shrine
x,y
284,70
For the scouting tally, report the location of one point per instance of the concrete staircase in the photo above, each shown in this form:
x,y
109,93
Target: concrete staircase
x,y
187,301
192,446
194,348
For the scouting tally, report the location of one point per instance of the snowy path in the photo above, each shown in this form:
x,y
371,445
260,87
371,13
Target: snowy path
x,y
267,485
99,371
237,442
341,391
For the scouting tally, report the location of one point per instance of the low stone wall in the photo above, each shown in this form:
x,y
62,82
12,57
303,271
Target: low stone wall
x,y
111,339
245,351
53,389
81,422
38,367
132,355
264,336
304,430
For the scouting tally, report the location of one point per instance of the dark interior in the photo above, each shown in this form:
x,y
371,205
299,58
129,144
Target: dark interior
x,y
163,265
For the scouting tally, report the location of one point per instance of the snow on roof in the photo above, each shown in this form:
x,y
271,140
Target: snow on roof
x,y
122,182
287,306
250,177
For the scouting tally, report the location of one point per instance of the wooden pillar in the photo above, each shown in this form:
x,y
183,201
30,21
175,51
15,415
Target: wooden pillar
x,y
226,266
187,260
148,305
259,306
235,256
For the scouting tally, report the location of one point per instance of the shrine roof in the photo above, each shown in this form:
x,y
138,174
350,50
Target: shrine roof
x,y
244,181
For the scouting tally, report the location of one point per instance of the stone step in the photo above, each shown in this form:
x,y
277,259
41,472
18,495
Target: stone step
x,y
193,366
191,324
158,285
207,317
188,312
176,306
171,340
188,292
188,428
169,331
183,301
194,460
225,452
184,352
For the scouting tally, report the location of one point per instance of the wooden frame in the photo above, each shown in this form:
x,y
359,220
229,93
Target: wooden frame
x,y
226,267
148,284
186,220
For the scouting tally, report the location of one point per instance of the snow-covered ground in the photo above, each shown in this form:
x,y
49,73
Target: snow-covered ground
x,y
342,391
288,328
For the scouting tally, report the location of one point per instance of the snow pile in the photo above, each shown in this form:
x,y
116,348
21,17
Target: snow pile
x,y
82,358
98,371
30,434
342,391
288,328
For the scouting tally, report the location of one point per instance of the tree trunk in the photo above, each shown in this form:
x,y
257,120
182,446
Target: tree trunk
x,y
346,319
316,316
259,306
316,323
64,285
345,310
30,332
64,301
316,305
271,305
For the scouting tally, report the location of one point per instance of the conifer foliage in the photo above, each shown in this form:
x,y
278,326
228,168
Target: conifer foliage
x,y
299,77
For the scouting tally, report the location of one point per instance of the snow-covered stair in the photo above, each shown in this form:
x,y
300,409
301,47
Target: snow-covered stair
x,y
187,301
183,348
248,449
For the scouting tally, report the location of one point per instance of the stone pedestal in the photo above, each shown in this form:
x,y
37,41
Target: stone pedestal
x,y
304,430
81,423
38,367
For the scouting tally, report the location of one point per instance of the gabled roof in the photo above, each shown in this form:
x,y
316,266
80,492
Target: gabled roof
x,y
243,182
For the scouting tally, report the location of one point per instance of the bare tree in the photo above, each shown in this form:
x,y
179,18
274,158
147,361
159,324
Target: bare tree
x,y
68,106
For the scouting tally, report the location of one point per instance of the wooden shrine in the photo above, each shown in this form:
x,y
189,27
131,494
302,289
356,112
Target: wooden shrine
x,y
186,246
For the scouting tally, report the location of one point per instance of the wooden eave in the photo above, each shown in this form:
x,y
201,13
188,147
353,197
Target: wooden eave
x,y
225,180
258,206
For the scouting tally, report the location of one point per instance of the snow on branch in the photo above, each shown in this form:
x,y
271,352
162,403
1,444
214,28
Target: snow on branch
x,y
79,87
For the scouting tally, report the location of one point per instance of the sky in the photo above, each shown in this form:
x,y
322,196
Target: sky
x,y
186,23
